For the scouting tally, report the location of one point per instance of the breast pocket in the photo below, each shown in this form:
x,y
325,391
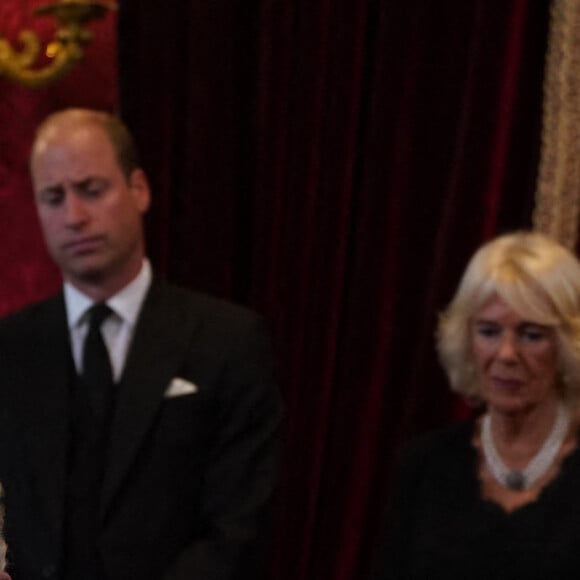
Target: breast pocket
x,y
186,422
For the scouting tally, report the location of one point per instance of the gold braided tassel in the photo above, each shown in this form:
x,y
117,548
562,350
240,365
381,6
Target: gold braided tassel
x,y
558,188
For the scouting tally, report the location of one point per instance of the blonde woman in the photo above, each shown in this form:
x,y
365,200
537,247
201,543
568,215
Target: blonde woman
x,y
498,497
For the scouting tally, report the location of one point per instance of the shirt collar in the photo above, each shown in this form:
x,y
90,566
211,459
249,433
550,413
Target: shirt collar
x,y
126,303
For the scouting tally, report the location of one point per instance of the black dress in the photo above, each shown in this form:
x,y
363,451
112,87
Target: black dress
x,y
440,527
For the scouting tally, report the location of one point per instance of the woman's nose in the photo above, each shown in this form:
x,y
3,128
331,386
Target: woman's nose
x,y
508,348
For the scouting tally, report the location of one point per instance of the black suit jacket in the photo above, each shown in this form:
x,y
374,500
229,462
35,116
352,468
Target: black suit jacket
x,y
189,479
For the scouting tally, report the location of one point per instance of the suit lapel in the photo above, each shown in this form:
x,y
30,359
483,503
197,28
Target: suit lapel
x,y
161,338
47,425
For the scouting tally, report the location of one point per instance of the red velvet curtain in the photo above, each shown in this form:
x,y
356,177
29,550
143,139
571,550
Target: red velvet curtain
x,y
26,271
333,165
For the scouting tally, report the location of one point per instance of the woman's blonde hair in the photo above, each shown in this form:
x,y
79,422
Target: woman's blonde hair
x,y
540,280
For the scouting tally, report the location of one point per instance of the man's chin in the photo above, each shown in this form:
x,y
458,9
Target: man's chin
x,y
89,274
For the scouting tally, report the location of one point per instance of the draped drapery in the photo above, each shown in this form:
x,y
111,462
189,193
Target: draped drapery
x,y
334,165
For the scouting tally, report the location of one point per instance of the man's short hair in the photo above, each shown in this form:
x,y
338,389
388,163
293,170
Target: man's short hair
x,y
117,132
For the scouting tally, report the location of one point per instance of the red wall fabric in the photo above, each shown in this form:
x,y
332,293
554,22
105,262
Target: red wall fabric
x,y
26,272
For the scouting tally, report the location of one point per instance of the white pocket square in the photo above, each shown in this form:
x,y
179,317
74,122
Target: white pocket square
x,y
179,387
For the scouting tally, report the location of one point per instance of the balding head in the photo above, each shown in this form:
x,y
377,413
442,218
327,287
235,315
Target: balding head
x,y
115,130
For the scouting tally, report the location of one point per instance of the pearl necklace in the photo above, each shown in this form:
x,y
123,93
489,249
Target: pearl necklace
x,y
538,465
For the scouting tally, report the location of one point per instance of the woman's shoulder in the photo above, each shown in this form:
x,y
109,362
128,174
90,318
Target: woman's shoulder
x,y
449,435
447,444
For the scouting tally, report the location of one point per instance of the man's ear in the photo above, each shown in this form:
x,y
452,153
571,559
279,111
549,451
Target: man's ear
x,y
139,185
5,576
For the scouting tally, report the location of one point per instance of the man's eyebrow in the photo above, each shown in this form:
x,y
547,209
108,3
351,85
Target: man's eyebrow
x,y
57,188
89,180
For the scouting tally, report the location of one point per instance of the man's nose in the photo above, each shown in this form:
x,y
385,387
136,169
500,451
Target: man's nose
x,y
75,210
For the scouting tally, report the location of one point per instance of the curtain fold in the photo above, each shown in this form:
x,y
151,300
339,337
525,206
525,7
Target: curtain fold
x,y
334,165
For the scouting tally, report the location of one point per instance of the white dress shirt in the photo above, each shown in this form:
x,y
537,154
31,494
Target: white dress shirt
x,y
117,329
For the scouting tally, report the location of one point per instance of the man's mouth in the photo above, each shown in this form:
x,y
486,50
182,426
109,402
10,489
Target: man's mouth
x,y
84,245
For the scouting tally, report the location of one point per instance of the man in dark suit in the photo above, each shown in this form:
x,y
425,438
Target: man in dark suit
x,y
138,421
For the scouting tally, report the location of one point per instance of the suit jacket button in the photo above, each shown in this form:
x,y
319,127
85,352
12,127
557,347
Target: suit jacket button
x,y
48,571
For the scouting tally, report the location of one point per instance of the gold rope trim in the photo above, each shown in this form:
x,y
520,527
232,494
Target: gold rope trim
x,y
558,187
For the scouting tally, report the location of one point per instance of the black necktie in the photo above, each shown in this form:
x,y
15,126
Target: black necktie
x,y
91,417
97,372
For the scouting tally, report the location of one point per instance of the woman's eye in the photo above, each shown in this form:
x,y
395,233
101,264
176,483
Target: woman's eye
x,y
533,334
486,330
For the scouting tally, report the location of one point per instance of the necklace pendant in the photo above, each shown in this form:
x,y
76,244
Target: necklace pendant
x,y
515,480
537,467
